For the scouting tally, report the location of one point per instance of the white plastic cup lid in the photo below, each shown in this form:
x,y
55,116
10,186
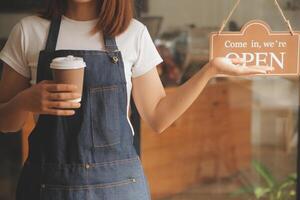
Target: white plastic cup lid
x,y
69,62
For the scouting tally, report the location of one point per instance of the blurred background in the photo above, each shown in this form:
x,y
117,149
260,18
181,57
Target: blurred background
x,y
237,141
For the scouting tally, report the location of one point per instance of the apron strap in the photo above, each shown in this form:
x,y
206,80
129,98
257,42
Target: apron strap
x,y
110,43
53,34
111,47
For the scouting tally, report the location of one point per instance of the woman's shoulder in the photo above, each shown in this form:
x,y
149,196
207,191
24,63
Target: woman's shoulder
x,y
34,21
34,29
134,29
136,24
34,24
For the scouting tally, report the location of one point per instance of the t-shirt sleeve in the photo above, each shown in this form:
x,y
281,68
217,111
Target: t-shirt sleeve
x,y
148,56
13,52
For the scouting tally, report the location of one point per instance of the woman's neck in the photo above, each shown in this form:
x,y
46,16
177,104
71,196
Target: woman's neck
x,y
82,11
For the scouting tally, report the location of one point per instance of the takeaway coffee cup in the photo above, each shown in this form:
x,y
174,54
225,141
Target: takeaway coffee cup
x,y
69,70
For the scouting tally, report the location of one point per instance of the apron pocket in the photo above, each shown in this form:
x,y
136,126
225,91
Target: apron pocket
x,y
105,115
129,189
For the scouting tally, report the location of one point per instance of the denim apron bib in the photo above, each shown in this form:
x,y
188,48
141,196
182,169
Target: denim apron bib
x,y
90,155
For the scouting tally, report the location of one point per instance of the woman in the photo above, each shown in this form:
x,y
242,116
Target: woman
x,y
84,150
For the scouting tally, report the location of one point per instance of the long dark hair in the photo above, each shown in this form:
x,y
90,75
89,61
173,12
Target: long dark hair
x,y
114,15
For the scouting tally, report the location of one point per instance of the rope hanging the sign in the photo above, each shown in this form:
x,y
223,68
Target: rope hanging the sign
x,y
229,16
284,17
237,4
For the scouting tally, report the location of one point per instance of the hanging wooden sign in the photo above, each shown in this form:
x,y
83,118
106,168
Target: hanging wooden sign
x,y
256,44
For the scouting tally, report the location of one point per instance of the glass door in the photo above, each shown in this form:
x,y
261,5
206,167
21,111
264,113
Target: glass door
x,y
239,140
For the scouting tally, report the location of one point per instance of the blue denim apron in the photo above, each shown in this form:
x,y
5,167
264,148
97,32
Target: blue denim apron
x,y
90,155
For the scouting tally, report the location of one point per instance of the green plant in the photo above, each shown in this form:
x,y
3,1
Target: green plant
x,y
271,189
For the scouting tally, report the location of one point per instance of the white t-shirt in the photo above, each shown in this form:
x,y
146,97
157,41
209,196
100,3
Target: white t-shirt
x,y
29,37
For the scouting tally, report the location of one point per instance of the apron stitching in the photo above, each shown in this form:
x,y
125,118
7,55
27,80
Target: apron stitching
x,y
105,185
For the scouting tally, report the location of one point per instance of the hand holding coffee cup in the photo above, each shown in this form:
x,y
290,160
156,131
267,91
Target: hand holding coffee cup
x,y
69,70
59,97
48,97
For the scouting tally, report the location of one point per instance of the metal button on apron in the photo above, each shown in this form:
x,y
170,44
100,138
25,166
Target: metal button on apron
x,y
133,180
115,59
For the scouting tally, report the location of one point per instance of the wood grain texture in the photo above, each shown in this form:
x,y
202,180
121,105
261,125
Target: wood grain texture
x,y
211,140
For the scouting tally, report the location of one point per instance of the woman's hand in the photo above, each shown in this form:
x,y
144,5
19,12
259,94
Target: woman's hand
x,y
236,67
47,97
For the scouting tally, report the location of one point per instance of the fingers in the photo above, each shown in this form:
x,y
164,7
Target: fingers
x,y
63,96
47,82
237,61
240,69
60,108
57,97
251,70
61,88
63,105
265,68
59,112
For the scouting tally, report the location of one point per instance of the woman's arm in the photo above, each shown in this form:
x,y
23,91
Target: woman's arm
x,y
160,110
17,99
12,117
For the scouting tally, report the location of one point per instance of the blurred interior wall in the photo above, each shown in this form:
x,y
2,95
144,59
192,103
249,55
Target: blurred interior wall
x,y
178,13
8,20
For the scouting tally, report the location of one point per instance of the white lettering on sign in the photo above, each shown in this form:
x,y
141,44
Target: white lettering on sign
x,y
229,44
279,62
258,45
260,58
269,44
